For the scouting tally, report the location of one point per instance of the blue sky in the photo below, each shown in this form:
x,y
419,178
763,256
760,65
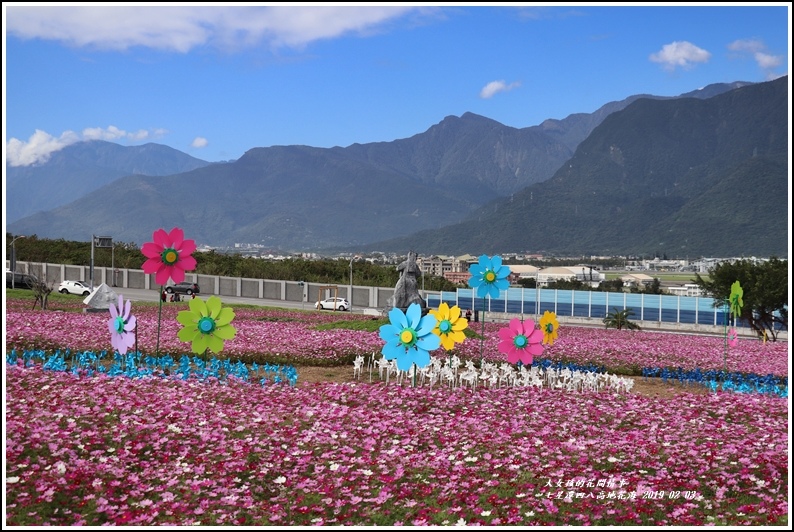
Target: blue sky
x,y
214,80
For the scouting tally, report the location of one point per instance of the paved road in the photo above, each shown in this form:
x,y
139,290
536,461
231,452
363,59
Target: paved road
x,y
136,294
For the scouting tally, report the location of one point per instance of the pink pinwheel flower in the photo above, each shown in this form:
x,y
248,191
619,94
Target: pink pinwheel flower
x,y
733,337
169,255
520,340
122,326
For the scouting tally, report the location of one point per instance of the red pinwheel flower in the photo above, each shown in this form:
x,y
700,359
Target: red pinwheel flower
x,y
169,255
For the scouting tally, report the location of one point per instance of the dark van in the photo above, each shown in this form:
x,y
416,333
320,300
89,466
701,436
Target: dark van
x,y
20,280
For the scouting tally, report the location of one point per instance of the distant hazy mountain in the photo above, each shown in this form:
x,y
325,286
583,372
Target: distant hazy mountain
x,y
681,177
83,167
304,198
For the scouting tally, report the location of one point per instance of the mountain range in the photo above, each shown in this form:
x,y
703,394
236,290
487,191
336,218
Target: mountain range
x,y
644,174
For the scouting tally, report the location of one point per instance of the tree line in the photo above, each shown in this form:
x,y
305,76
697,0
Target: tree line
x,y
128,255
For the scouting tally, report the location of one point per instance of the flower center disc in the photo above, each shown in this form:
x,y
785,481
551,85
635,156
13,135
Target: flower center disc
x,y
206,325
549,328
490,276
520,341
407,336
119,324
445,326
169,256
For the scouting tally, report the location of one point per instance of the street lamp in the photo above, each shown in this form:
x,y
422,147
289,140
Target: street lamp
x,y
14,261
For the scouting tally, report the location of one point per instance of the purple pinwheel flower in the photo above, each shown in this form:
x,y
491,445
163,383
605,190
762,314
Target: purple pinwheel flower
x,y
122,326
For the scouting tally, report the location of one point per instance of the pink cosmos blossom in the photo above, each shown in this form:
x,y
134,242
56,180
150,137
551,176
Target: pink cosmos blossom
x,y
169,255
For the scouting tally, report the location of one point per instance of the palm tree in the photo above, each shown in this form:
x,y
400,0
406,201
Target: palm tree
x,y
619,319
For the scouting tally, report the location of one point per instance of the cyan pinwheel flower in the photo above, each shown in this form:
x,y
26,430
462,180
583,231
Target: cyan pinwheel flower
x,y
122,326
733,337
169,255
520,341
736,299
489,276
206,325
409,337
449,325
549,326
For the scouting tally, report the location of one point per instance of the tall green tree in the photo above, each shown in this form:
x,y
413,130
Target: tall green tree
x,y
765,287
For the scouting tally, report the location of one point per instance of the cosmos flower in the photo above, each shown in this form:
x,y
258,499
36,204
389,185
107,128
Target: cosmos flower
x,y
733,337
206,325
489,276
169,255
409,337
449,326
520,340
549,325
122,326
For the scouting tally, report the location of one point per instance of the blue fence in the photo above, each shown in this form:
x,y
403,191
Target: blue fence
x,y
586,304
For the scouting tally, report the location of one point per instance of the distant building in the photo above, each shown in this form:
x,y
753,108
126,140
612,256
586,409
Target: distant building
x,y
636,280
689,290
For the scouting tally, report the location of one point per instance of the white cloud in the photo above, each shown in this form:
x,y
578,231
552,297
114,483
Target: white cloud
x,y
180,29
680,54
38,148
746,45
757,50
199,142
496,87
41,144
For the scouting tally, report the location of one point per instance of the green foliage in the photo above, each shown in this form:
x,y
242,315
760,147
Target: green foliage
x,y
654,288
369,325
765,287
128,255
619,319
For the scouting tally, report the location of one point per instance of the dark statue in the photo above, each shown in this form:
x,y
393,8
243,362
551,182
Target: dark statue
x,y
406,291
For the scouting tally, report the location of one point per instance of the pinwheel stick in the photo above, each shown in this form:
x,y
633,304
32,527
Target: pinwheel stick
x,y
159,318
482,332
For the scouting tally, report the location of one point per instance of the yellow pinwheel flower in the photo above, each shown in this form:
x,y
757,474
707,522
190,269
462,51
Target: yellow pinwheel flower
x,y
207,325
449,325
549,326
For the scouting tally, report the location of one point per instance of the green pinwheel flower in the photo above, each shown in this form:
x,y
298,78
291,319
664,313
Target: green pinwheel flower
x,y
735,299
206,325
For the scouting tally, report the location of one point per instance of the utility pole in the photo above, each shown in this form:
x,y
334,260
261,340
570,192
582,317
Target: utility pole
x,y
14,261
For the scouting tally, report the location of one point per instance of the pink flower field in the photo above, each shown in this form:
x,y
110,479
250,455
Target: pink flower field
x,y
166,451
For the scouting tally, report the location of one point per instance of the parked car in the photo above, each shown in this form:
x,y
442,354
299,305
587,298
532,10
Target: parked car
x,y
332,303
74,287
20,280
183,288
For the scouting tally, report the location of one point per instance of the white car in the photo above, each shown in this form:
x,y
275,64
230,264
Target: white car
x,y
74,287
333,303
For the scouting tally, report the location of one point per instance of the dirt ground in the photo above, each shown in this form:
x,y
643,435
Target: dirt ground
x,y
648,387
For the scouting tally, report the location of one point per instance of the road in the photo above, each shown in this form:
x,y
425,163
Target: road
x,y
136,294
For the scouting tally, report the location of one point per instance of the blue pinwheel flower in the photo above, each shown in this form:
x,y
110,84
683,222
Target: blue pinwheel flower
x,y
489,276
409,337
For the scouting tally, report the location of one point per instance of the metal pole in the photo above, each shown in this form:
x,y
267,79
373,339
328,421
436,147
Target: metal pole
x,y
91,272
351,284
14,261
113,263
